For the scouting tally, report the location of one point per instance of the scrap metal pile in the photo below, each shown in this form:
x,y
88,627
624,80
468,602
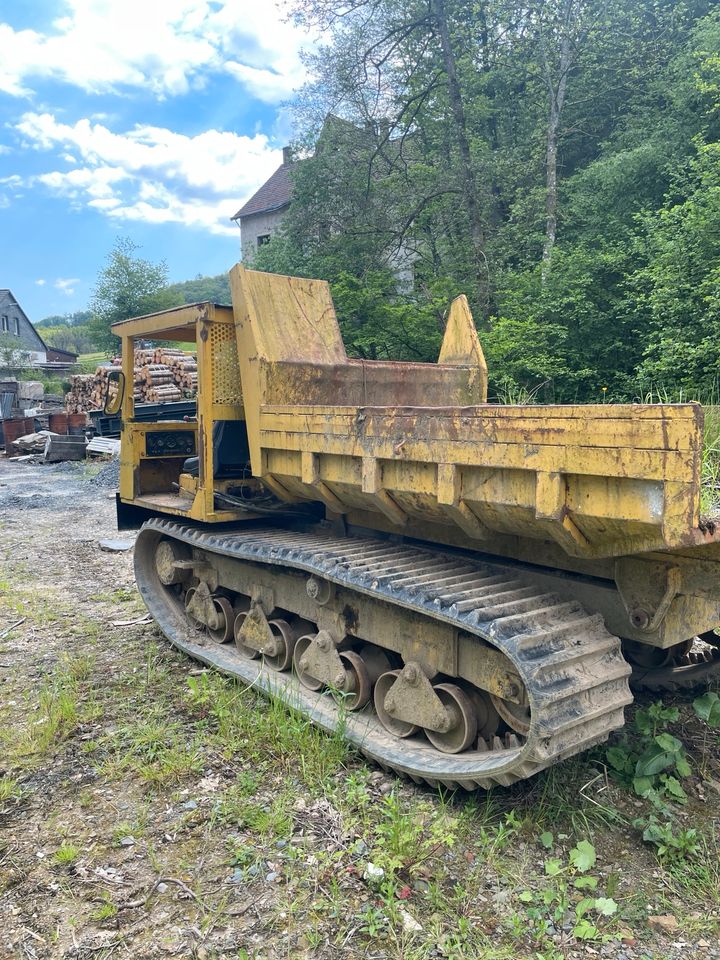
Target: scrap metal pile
x,y
162,375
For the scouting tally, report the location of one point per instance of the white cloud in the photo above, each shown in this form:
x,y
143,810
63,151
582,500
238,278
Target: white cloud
x,y
149,173
164,46
40,283
66,285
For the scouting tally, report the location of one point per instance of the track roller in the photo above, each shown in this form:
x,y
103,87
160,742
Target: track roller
x,y
464,726
303,675
356,688
243,649
398,728
221,620
284,645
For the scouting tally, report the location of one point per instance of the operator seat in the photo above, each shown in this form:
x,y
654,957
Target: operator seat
x,y
231,452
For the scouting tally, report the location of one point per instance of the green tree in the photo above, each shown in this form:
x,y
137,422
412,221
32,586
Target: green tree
x,y
12,357
77,338
127,286
552,160
215,289
77,319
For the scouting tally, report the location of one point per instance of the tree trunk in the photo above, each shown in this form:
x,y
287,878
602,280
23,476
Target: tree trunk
x,y
556,94
457,107
550,188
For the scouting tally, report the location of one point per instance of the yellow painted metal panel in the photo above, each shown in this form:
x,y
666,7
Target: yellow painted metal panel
x,y
461,341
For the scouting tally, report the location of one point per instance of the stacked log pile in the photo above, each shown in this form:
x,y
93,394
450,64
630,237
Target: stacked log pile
x,y
161,375
84,393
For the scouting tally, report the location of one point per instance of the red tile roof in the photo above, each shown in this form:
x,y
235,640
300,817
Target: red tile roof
x,y
272,195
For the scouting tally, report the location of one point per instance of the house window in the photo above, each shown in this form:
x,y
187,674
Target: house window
x,y
263,239
4,324
16,326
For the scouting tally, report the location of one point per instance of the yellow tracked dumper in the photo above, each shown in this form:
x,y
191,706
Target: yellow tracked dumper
x,y
470,589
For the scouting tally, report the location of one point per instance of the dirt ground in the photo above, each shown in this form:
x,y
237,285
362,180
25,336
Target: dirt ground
x,y
149,808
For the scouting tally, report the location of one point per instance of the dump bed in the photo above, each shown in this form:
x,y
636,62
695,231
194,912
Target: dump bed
x,y
418,446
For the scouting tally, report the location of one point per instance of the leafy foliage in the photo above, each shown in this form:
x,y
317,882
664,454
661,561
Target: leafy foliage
x,y
707,707
214,289
128,286
653,763
427,138
569,900
12,357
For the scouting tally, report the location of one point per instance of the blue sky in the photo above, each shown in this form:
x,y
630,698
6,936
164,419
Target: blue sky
x,y
154,119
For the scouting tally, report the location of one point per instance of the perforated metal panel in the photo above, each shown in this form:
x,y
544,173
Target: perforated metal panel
x,y
225,366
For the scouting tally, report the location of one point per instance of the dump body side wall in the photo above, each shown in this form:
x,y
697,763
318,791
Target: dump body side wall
x,y
402,440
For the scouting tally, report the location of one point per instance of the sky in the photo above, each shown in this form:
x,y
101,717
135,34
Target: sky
x,y
152,119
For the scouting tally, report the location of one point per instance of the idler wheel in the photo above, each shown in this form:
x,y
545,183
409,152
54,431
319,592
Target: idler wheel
x,y
284,643
305,678
515,715
464,726
488,719
355,692
398,728
646,656
248,652
167,553
221,629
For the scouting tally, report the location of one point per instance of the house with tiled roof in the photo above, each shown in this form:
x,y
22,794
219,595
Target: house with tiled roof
x,y
16,329
261,216
20,340
263,213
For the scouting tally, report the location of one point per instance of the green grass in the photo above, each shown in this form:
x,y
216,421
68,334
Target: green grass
x,y
10,789
88,361
105,911
65,855
710,465
56,713
270,792
266,732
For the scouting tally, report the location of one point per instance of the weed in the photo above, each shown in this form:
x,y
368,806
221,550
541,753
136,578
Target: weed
x,y
510,393
654,763
65,855
570,897
672,844
105,911
269,821
154,748
697,878
58,710
12,599
265,731
125,829
707,707
9,789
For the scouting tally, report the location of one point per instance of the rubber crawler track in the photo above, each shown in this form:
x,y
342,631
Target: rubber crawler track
x,y
574,671
676,677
